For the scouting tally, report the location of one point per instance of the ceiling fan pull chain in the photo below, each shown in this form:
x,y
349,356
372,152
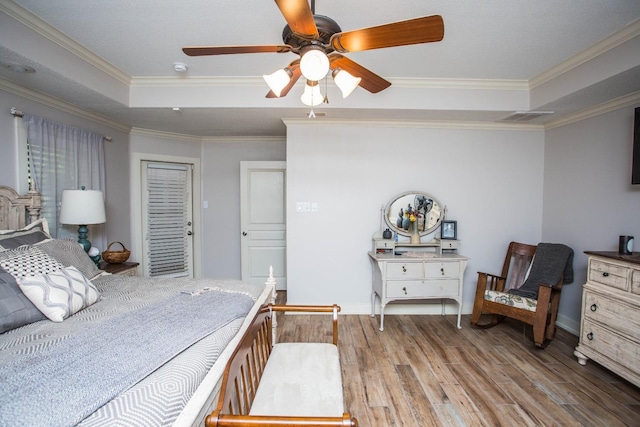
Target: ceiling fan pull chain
x,y
326,90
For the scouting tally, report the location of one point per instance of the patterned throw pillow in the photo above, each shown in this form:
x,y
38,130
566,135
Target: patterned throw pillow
x,y
60,294
28,261
70,253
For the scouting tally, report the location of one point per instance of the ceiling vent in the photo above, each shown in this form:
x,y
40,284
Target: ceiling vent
x,y
525,116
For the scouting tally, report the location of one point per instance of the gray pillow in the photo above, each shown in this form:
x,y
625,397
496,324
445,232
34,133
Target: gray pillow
x,y
33,233
70,253
15,308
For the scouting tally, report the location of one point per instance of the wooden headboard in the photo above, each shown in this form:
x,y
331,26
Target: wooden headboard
x,y
16,211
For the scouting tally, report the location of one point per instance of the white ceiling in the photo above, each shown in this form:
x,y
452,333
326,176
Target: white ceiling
x,y
122,65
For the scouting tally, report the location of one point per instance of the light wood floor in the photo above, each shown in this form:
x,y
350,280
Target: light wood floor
x,y
422,371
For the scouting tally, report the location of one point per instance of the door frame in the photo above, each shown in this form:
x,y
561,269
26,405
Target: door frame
x,y
136,204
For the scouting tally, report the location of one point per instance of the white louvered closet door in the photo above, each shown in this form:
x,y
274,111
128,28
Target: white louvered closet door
x,y
167,219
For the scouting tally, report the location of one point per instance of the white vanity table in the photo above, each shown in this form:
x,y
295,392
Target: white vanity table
x,y
405,277
406,268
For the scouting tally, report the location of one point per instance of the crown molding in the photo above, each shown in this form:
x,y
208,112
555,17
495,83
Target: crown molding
x,y
182,137
58,104
33,22
430,83
177,137
240,139
418,124
615,104
399,82
627,33
196,81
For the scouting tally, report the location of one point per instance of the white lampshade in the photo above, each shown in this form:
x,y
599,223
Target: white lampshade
x,y
314,65
311,95
278,80
82,207
345,82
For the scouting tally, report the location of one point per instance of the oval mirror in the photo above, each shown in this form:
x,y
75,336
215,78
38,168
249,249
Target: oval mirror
x,y
398,210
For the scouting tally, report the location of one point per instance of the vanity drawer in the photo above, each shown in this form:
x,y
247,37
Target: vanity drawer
x,y
437,270
609,274
405,270
615,314
450,244
618,348
417,289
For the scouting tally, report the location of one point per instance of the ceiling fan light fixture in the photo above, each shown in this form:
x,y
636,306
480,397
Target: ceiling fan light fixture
x,y
311,95
345,81
314,64
278,80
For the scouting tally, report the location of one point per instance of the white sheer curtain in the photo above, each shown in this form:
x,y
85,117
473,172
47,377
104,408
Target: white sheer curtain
x,y
64,157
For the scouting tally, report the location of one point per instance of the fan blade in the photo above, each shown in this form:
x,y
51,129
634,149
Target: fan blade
x,y
419,30
298,15
229,50
294,67
370,81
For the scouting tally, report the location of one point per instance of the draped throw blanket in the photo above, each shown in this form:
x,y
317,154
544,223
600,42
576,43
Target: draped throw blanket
x,y
68,381
551,262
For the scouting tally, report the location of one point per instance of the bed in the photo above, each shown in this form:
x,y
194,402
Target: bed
x,y
112,350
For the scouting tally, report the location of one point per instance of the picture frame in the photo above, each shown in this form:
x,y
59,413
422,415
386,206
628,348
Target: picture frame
x,y
449,230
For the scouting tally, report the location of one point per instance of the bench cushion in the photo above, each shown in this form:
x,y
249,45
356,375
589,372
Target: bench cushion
x,y
301,379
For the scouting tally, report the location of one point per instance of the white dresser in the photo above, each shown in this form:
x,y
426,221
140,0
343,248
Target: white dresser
x,y
402,277
610,326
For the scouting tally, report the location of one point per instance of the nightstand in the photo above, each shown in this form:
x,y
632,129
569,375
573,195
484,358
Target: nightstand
x,y
122,269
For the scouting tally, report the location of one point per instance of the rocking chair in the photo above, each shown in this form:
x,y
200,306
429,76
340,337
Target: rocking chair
x,y
527,290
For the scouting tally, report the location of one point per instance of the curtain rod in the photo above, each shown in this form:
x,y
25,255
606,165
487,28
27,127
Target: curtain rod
x,y
17,113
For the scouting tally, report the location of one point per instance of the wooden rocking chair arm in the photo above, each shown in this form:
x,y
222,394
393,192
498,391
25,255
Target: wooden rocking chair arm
x,y
492,275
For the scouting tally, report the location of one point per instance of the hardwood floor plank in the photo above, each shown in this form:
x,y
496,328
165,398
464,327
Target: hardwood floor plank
x,y
422,409
433,391
538,406
374,390
465,407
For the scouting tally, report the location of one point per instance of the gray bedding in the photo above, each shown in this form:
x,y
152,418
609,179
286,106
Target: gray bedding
x,y
159,398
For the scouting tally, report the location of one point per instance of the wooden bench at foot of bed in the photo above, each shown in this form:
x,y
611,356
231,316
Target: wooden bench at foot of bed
x,y
286,384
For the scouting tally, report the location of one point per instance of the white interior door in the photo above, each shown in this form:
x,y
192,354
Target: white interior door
x,y
263,221
167,219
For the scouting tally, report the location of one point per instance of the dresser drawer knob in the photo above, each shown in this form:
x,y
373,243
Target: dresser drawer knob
x,y
605,274
404,269
405,290
594,307
442,270
590,336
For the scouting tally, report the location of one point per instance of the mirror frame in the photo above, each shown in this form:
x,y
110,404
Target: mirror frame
x,y
401,231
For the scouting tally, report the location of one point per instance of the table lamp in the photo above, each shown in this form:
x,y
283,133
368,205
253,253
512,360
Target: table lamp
x,y
81,208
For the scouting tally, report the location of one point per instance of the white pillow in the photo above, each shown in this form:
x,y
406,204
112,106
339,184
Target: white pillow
x,y
60,294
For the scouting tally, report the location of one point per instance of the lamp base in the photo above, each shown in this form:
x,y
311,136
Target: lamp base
x,y
83,230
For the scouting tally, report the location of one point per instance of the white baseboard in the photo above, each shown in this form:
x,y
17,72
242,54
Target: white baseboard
x,y
568,324
430,307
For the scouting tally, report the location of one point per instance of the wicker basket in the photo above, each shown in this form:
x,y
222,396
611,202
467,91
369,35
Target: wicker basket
x,y
116,257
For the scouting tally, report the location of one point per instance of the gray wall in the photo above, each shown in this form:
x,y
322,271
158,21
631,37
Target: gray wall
x,y
489,179
588,198
221,189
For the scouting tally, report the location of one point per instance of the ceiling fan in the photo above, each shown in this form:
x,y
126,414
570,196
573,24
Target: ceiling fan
x,y
320,43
